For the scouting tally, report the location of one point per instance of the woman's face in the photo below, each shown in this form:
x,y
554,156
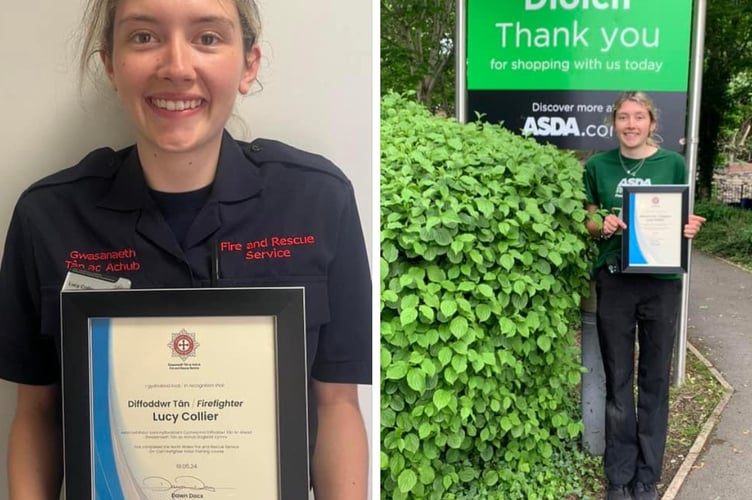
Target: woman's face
x,y
177,66
633,125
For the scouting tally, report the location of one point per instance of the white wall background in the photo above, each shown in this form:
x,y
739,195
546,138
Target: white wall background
x,y
317,74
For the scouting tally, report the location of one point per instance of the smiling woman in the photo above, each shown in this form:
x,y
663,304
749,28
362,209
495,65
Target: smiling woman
x,y
630,306
184,186
177,72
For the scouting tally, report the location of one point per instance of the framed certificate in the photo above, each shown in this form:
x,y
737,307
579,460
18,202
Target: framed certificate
x,y
185,393
654,241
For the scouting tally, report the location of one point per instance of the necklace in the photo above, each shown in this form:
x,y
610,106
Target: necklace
x,y
635,168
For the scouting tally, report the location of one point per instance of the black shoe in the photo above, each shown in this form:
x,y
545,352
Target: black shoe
x,y
643,491
618,492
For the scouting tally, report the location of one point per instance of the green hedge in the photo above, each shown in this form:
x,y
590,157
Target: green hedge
x,y
483,266
727,233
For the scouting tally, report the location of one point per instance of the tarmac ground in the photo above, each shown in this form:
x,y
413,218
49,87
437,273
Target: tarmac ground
x,y
719,327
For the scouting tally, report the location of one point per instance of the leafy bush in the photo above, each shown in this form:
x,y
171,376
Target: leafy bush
x,y
727,233
483,267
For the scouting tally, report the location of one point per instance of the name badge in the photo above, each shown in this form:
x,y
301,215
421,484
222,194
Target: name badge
x,y
78,279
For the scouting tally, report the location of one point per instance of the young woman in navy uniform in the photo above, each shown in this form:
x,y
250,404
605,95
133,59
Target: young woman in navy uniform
x,y
156,212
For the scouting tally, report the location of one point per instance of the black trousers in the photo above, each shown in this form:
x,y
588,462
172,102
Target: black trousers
x,y
629,303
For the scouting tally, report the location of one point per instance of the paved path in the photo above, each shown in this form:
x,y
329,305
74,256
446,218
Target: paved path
x,y
720,327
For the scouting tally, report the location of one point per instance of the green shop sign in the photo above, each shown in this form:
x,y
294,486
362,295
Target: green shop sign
x,y
578,44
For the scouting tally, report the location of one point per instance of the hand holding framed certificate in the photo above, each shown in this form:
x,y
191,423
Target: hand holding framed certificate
x,y
654,241
185,393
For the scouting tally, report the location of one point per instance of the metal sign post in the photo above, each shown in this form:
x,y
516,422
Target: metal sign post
x,y
693,132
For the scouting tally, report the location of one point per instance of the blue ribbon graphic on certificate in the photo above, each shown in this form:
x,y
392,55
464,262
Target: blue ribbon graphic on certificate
x,y
184,408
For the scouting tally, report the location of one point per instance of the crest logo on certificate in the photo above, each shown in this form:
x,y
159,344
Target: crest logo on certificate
x,y
183,344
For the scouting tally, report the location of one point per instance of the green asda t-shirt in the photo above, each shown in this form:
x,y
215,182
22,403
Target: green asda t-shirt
x,y
606,173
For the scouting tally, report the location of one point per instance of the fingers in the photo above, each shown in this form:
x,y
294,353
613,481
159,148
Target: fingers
x,y
611,224
690,231
693,226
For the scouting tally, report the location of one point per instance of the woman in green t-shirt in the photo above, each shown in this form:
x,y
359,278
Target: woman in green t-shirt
x,y
629,303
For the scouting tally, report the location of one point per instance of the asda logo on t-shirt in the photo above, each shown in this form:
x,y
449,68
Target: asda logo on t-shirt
x,y
630,181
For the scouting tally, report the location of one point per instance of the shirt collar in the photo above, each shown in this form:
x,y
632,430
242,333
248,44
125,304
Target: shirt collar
x,y
237,179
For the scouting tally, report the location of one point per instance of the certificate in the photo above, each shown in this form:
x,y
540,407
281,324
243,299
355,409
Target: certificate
x,y
198,394
654,241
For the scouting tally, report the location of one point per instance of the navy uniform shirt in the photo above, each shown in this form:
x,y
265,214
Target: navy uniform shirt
x,y
278,216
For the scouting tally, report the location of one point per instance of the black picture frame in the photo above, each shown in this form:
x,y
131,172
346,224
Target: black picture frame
x,y
79,308
665,244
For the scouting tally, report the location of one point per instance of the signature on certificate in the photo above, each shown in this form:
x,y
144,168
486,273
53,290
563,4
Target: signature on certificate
x,y
158,483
